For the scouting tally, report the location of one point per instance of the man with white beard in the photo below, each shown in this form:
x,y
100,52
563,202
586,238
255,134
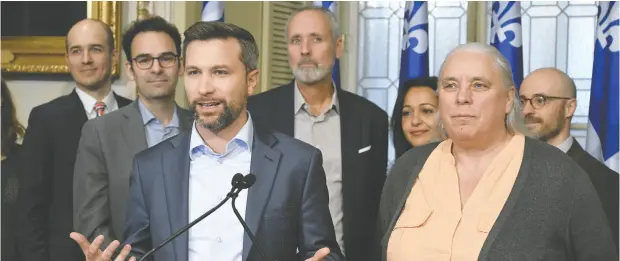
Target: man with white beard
x,y
350,131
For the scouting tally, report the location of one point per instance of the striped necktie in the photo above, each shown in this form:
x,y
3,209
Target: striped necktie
x,y
99,108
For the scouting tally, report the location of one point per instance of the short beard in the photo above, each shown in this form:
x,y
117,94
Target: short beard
x,y
224,120
549,132
311,76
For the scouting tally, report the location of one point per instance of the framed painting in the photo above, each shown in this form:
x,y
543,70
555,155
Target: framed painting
x,y
33,33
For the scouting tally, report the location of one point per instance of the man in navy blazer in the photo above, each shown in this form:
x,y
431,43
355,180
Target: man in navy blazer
x,y
179,179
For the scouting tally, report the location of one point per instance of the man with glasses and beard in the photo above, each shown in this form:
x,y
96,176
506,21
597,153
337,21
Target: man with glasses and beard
x,y
350,131
108,144
44,208
548,102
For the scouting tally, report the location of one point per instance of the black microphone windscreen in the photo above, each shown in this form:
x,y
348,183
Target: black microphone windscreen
x,y
237,179
249,180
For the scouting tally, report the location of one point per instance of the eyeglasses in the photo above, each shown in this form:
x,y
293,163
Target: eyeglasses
x,y
166,60
538,101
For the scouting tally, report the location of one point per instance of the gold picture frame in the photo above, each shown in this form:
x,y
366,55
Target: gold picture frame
x,y
46,54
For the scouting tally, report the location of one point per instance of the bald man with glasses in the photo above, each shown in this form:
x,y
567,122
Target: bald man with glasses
x,y
109,143
548,102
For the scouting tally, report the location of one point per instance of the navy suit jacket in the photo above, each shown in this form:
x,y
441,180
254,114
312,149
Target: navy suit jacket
x,y
287,207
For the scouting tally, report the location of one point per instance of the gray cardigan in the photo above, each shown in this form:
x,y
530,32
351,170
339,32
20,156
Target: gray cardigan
x,y
552,213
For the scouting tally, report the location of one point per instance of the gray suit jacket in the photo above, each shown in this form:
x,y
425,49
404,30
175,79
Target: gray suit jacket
x,y
552,212
103,170
287,208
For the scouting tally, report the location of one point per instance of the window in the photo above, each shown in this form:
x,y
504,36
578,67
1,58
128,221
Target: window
x,y
278,70
555,34
561,35
381,22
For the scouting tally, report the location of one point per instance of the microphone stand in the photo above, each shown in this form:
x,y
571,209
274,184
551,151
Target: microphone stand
x,y
239,182
245,226
188,226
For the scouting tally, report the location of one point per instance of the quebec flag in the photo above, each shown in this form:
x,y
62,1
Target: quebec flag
x,y
602,140
414,56
506,35
414,61
333,7
212,11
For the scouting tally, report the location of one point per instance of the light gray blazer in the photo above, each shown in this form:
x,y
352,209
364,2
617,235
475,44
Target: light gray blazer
x,y
103,170
552,213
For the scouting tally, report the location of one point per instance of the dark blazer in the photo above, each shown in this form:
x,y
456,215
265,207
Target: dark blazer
x,y
45,201
103,169
552,212
362,124
287,207
11,169
605,182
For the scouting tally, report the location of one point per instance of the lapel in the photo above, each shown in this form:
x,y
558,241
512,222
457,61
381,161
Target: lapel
x,y
575,151
265,161
284,120
176,186
133,128
122,101
186,118
415,171
77,111
350,141
520,183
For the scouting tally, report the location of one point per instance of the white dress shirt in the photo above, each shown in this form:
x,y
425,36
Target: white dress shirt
x,y
218,237
89,103
565,145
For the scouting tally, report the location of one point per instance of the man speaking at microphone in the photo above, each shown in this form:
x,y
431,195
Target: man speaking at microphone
x,y
178,180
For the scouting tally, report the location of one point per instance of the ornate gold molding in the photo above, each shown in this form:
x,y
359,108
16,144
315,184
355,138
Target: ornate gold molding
x,y
143,10
46,54
36,68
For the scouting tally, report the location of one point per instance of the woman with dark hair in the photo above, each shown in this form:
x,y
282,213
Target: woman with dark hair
x,y
415,119
12,130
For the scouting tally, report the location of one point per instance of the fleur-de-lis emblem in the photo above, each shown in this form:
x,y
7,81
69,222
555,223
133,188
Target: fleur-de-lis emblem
x,y
329,5
415,35
506,23
213,11
608,25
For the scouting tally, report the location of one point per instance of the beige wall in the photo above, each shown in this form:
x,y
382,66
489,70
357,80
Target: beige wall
x,y
249,15
184,15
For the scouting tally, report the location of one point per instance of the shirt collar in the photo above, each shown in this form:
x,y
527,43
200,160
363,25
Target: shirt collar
x,y
565,145
89,102
148,116
300,102
244,139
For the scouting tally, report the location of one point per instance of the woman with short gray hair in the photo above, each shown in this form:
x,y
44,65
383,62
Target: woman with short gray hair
x,y
488,192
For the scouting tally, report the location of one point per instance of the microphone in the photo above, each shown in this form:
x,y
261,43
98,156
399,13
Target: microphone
x,y
239,182
247,182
